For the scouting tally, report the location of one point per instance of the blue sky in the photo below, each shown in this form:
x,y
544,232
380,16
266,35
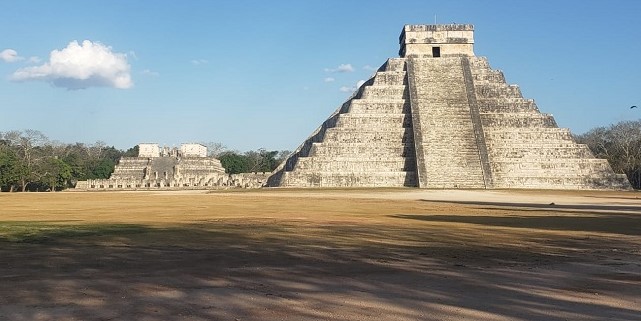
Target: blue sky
x,y
253,74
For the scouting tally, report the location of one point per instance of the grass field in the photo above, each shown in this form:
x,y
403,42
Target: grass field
x,y
388,254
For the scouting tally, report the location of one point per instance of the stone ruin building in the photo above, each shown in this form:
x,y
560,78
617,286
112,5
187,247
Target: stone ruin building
x,y
440,117
187,167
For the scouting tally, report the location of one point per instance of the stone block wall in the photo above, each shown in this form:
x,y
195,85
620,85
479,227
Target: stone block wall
x,y
526,148
451,40
140,173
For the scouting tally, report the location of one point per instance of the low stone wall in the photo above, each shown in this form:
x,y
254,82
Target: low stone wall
x,y
223,181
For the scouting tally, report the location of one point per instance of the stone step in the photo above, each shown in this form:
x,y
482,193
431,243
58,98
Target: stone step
x,y
451,184
391,107
359,120
497,91
517,121
385,92
535,146
344,134
446,146
527,135
578,183
487,76
479,63
333,179
363,149
542,151
553,166
395,64
445,119
496,106
356,164
515,115
486,101
135,161
390,78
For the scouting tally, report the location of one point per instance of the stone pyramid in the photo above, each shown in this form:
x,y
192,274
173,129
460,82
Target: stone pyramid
x,y
440,117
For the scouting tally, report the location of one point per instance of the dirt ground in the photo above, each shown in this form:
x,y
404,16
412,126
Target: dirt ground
x,y
379,254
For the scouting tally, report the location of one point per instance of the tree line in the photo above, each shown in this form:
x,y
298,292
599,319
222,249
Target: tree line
x,y
620,144
253,161
29,161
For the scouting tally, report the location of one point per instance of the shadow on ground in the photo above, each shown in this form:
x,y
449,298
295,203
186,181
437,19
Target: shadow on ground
x,y
275,270
584,208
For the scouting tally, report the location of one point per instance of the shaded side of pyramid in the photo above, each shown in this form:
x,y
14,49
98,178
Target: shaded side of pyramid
x,y
440,117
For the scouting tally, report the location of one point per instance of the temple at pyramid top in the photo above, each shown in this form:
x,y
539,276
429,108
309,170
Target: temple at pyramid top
x,y
437,40
438,116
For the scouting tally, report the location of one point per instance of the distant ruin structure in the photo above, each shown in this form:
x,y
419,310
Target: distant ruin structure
x,y
187,167
441,117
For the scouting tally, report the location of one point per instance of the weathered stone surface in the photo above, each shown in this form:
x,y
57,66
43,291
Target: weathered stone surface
x,y
439,117
367,142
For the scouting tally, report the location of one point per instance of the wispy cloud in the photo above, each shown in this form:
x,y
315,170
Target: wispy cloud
x,y
80,66
349,89
329,79
34,60
199,61
341,68
369,68
150,73
10,55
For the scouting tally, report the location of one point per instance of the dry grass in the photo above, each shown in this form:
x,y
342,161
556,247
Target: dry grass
x,y
346,241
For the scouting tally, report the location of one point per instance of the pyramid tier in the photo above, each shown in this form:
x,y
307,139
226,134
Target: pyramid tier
x,y
347,179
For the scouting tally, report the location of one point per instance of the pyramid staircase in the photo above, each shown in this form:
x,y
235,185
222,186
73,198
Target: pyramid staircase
x,y
442,118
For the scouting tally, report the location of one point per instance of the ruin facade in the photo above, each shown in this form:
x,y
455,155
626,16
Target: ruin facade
x,y
440,117
187,167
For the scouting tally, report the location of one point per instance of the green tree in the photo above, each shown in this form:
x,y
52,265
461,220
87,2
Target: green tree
x,y
234,163
27,145
102,169
55,173
9,168
76,158
131,152
262,160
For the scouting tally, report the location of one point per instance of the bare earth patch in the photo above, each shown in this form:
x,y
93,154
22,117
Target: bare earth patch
x,y
378,254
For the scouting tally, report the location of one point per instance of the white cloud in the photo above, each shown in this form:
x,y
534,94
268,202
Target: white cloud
x,y
347,89
368,68
10,55
341,68
329,79
345,68
34,60
79,66
199,61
